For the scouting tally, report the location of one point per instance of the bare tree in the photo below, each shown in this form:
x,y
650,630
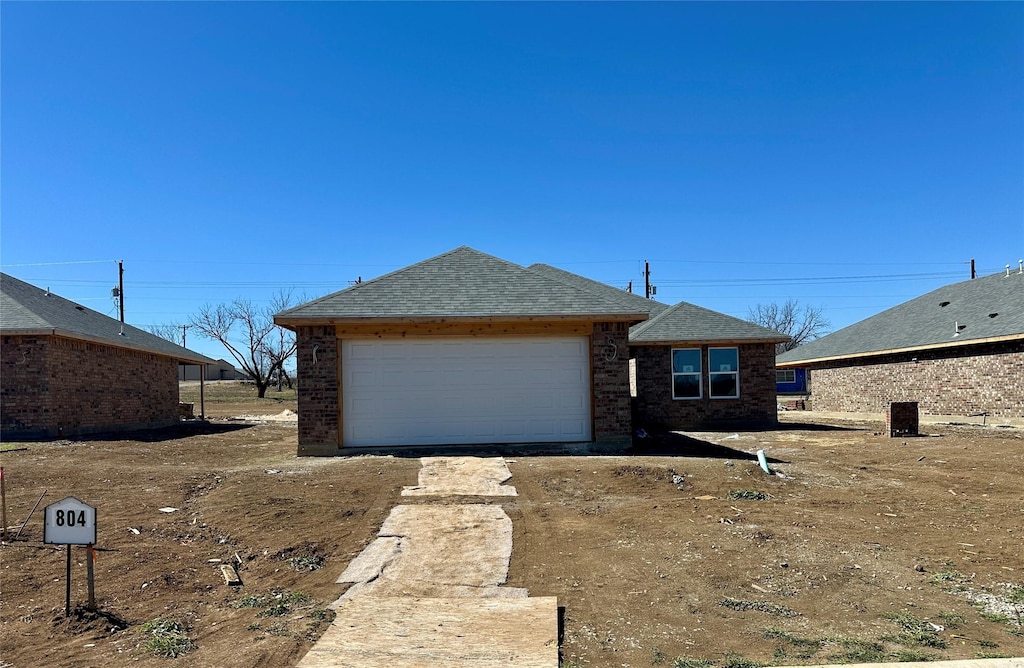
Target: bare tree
x,y
171,332
260,347
801,323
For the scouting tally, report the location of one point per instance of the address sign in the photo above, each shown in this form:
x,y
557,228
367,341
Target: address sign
x,y
69,521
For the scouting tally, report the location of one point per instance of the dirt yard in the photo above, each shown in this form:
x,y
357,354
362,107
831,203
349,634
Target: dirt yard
x,y
866,548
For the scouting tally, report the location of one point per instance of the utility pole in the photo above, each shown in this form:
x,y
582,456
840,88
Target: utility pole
x,y
183,328
120,287
972,268
630,287
647,279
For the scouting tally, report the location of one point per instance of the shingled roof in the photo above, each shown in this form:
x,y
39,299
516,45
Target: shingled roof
x,y
462,283
26,309
981,310
649,306
688,323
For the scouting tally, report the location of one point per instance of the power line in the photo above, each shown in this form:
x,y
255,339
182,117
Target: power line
x,y
53,264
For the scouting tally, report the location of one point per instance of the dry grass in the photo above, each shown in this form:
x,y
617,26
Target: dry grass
x,y
226,398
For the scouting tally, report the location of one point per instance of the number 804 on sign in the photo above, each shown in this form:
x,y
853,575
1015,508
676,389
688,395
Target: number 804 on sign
x,y
69,521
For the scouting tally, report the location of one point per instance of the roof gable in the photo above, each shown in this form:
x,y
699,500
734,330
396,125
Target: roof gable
x,y
990,307
688,323
25,308
462,283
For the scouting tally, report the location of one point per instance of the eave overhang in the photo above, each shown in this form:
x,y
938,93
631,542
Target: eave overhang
x,y
64,334
897,351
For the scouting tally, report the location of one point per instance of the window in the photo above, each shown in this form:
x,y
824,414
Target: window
x,y
724,376
686,373
785,375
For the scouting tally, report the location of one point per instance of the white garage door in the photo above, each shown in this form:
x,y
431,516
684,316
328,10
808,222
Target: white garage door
x,y
432,391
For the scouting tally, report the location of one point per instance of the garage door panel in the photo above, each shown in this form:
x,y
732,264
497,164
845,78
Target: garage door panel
x,y
423,391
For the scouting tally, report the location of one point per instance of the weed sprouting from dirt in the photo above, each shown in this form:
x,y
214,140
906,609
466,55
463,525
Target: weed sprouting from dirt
x,y
950,580
275,609
303,557
760,606
687,662
251,601
168,638
951,620
910,655
281,602
856,651
747,495
738,661
801,648
914,632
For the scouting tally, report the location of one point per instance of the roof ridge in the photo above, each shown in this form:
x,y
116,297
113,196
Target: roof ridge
x,y
624,298
390,274
666,317
578,288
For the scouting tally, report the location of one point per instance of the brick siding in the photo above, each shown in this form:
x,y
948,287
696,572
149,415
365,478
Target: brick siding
x,y
610,371
655,409
966,381
54,387
319,392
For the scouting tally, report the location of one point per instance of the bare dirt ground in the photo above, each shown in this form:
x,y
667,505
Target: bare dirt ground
x,y
869,548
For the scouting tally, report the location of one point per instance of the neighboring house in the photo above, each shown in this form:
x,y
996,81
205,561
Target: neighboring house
x,y
466,348
791,381
957,351
68,370
218,370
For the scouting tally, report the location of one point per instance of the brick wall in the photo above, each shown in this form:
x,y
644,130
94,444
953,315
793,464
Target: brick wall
x,y
656,409
319,393
963,382
53,386
25,403
610,368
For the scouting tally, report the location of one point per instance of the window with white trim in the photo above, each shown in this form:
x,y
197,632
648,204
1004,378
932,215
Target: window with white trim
x,y
686,373
724,372
785,375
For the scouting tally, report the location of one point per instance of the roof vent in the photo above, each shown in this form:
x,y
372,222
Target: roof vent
x,y
1020,266
992,315
958,327
1007,271
943,304
80,308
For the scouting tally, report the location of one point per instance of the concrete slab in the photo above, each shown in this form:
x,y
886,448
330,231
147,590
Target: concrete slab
x,y
433,550
374,558
960,663
467,476
455,633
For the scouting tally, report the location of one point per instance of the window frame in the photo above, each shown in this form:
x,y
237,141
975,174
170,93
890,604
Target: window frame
x,y
699,373
790,376
735,374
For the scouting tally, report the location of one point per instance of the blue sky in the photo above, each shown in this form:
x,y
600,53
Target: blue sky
x,y
848,155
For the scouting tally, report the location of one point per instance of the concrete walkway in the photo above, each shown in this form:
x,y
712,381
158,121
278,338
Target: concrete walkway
x,y
462,476
961,663
428,591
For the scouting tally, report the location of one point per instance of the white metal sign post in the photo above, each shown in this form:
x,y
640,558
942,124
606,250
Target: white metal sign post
x,y
71,521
